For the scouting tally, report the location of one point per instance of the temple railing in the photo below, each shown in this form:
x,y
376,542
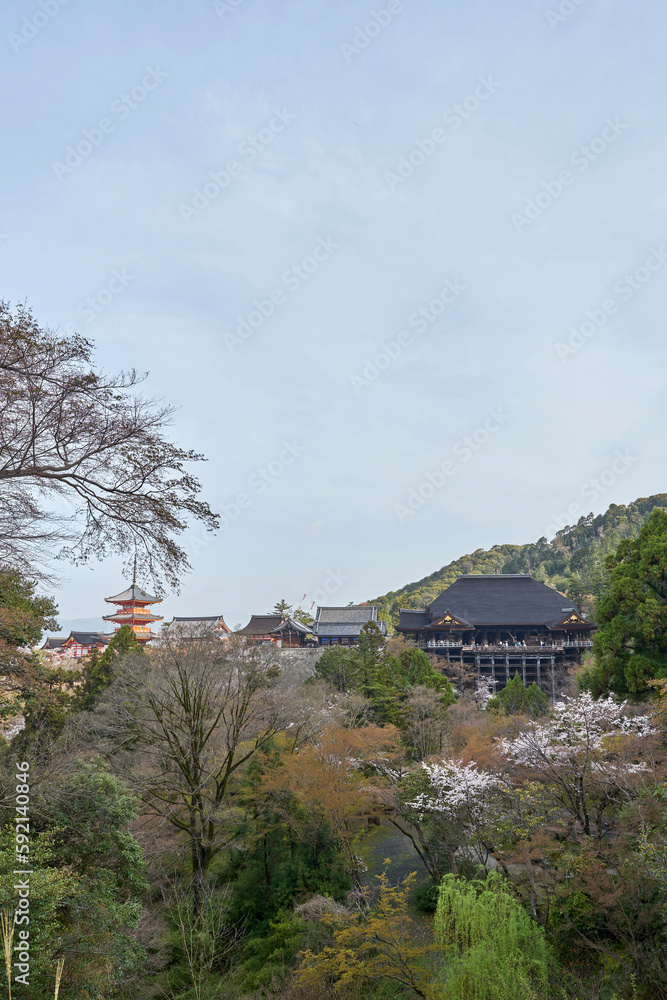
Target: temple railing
x,y
483,648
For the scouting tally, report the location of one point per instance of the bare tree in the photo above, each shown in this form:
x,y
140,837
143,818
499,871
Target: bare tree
x,y
83,460
199,714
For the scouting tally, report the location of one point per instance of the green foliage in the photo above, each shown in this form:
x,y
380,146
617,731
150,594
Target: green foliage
x,y
426,896
23,616
100,671
270,954
517,699
497,951
573,562
277,870
86,884
631,644
384,679
46,699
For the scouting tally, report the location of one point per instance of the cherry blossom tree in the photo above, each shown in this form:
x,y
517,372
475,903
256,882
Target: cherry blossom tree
x,y
587,752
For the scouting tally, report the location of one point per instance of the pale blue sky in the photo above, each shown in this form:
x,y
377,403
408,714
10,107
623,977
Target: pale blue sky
x,y
347,443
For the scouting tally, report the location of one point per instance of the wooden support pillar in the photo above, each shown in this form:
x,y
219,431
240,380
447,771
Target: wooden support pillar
x,y
539,673
523,668
507,668
493,671
553,679
478,664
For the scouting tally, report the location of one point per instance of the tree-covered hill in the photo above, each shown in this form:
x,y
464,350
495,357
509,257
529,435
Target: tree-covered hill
x,y
573,562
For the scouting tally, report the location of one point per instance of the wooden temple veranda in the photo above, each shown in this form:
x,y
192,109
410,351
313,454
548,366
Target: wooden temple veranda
x,y
500,625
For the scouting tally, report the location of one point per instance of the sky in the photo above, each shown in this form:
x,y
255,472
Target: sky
x,y
400,266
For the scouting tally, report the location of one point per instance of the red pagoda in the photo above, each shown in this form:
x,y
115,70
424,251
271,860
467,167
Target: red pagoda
x,y
134,610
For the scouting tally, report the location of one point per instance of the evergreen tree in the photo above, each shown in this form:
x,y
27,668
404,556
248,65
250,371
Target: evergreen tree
x,y
630,646
282,608
517,699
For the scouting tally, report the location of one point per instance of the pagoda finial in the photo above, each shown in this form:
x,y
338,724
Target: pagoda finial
x,y
134,572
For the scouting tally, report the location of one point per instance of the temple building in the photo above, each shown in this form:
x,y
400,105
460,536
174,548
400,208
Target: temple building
x,y
76,644
501,624
342,626
207,627
134,610
276,630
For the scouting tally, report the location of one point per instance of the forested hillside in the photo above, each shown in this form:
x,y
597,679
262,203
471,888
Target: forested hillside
x,y
573,562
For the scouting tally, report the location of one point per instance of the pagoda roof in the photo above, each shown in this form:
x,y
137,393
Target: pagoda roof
x,y
129,616
133,593
504,599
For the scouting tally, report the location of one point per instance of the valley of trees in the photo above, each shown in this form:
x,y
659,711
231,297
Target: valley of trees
x,y
207,822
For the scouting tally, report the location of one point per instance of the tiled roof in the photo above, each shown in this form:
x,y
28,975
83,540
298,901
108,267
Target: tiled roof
x,y
88,638
413,618
501,599
297,625
133,593
352,629
261,625
195,626
354,614
55,642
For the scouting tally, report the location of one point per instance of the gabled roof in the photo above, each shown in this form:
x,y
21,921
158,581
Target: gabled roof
x,y
502,599
357,613
450,621
133,593
87,638
299,626
54,642
261,625
271,625
197,626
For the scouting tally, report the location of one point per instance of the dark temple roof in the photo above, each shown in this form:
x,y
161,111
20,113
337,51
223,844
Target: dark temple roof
x,y
413,618
502,599
89,638
271,625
